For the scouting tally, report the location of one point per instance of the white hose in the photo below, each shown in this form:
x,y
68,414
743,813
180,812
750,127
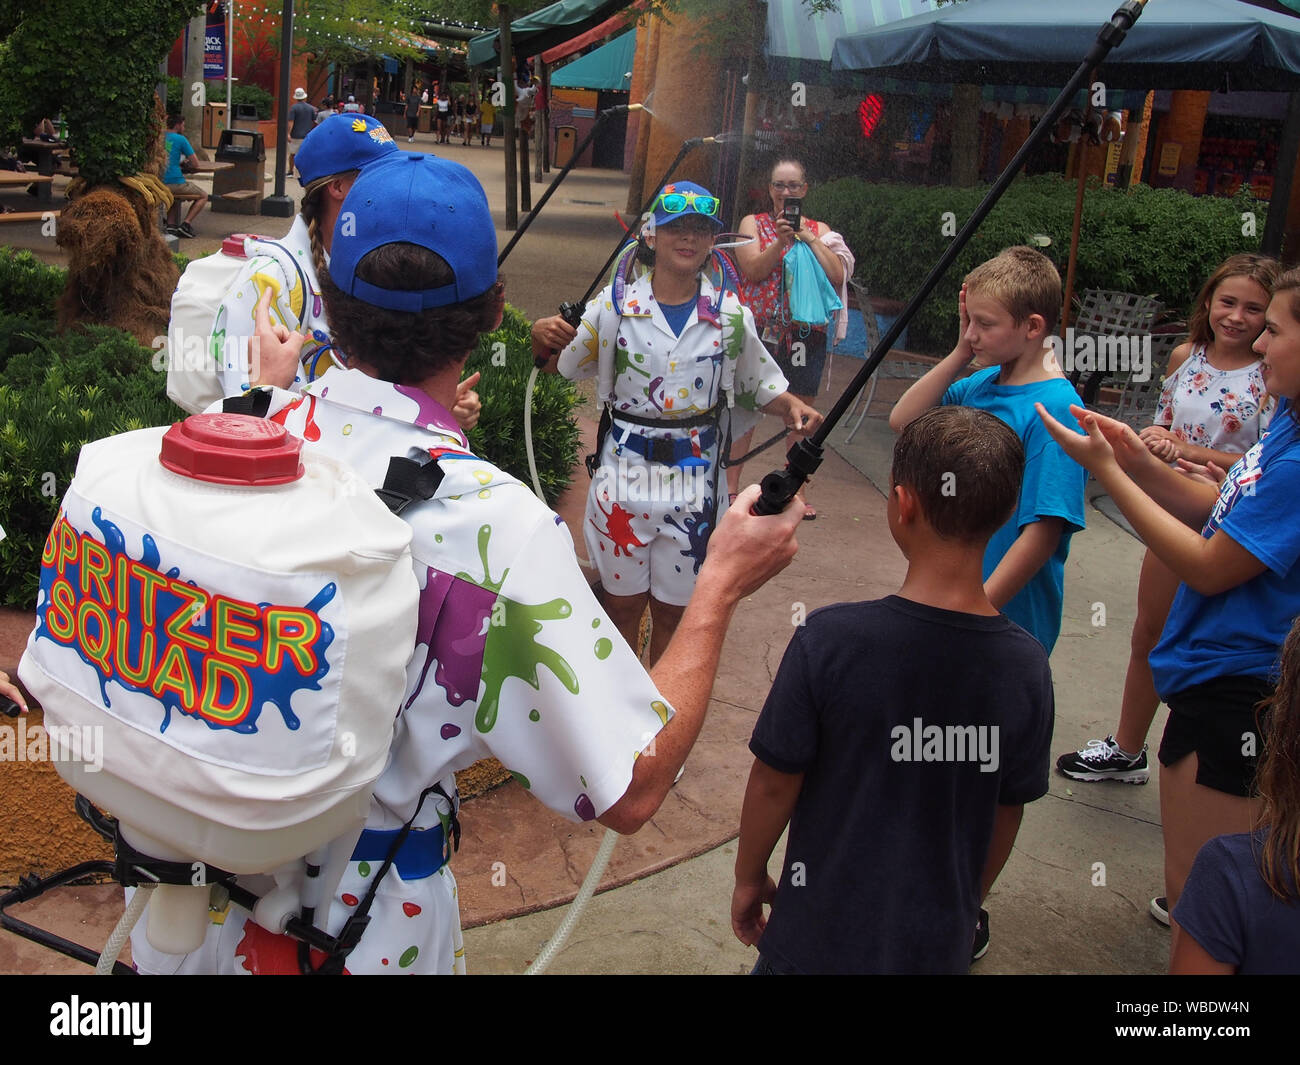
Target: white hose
x,y
120,934
576,907
601,860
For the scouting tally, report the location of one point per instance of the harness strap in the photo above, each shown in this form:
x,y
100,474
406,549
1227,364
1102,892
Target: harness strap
x,y
256,401
408,480
707,418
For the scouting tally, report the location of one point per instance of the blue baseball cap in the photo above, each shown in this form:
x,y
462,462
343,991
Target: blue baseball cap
x,y
422,200
342,143
686,198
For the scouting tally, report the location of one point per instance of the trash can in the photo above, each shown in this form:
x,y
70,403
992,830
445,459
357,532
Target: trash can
x,y
426,118
239,189
214,124
566,138
245,117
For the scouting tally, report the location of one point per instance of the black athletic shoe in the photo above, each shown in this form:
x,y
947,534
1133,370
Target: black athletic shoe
x,y
980,945
1103,760
186,230
1160,910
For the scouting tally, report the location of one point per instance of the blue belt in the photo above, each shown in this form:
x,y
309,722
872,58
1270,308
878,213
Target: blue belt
x,y
422,855
667,452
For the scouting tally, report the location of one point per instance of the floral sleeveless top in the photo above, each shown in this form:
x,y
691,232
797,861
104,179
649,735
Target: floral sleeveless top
x,y
764,297
1224,410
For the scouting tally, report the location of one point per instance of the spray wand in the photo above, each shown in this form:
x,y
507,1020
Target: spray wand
x,y
802,461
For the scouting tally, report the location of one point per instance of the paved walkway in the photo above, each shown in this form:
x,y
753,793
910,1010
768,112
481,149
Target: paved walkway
x,y
1073,896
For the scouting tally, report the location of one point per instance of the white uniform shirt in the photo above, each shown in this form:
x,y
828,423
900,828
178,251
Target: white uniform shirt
x,y
514,659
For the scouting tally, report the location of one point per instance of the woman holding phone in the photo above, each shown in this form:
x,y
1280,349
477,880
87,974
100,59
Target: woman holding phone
x,y
800,352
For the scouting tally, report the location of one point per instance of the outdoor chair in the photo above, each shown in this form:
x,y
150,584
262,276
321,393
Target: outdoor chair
x,y
1138,399
1104,313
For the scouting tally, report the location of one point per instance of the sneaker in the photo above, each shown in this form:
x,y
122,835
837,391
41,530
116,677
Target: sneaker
x,y
1160,910
172,231
185,230
1103,760
980,945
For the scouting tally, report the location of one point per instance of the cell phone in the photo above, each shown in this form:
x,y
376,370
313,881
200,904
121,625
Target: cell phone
x,y
793,211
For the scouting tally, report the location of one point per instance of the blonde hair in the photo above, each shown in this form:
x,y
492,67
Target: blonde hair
x,y
311,215
1023,280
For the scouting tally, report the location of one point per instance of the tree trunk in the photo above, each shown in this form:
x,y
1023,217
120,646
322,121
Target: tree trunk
x,y
192,99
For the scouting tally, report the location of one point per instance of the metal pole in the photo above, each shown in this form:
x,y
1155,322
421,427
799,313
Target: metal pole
x,y
280,205
230,63
1288,149
508,81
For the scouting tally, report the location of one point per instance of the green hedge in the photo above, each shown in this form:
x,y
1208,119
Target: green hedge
x,y
1158,242
215,93
61,391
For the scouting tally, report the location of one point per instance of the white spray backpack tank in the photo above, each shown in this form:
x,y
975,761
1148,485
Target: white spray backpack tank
x,y
197,348
233,616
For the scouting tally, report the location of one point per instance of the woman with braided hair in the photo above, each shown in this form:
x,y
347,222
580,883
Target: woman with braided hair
x,y
329,160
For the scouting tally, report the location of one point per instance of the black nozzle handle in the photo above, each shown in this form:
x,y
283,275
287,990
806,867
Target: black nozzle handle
x,y
781,486
571,313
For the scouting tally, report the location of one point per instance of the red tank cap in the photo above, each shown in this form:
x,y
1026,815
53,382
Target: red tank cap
x,y
234,245
232,449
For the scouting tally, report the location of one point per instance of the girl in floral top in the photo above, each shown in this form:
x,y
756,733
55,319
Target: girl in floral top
x,y
1213,408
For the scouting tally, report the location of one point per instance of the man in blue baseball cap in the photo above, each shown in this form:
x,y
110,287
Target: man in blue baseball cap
x,y
514,657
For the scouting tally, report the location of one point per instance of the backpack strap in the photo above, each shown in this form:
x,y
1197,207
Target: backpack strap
x,y
408,480
255,402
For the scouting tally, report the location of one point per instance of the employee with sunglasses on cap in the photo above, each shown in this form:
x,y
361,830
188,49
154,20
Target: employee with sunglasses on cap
x,y
679,365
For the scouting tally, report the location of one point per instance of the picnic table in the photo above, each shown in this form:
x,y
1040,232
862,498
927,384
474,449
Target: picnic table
x,y
42,153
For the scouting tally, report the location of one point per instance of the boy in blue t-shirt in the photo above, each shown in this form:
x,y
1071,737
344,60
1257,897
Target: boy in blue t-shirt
x,y
180,152
1009,307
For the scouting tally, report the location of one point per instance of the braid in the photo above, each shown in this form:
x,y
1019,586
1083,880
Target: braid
x,y
317,245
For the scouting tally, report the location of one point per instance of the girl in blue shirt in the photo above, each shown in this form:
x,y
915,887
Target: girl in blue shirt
x,y
1217,658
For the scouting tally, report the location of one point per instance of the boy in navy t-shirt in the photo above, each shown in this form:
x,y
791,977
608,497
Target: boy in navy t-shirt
x,y
902,737
1009,307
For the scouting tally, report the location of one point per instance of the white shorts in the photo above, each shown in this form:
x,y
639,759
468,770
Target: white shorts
x,y
647,524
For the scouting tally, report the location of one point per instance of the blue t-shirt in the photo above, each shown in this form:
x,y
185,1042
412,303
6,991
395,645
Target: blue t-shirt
x,y
678,314
1052,488
1229,910
1239,633
177,148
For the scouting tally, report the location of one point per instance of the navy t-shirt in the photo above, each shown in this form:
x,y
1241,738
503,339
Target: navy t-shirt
x,y
1229,910
911,726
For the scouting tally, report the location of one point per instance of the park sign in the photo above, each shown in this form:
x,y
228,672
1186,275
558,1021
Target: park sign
x,y
214,43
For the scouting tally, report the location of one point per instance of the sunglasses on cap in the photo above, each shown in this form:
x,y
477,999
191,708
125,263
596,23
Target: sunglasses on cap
x,y
677,202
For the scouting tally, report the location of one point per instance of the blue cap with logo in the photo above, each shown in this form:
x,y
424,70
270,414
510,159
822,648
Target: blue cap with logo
x,y
680,199
342,143
422,200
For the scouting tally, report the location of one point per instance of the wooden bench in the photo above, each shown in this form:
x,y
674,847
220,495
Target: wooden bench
x,y
28,216
12,179
241,194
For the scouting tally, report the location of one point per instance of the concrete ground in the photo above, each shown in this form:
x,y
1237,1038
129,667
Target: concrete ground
x,y
1073,897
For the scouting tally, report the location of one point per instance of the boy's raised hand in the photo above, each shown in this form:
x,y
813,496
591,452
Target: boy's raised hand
x,y
963,317
273,359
